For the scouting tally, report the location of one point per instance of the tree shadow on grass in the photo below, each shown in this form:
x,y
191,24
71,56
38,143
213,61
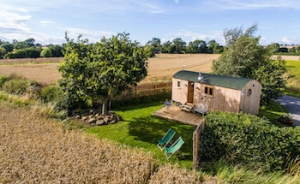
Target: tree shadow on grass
x,y
151,129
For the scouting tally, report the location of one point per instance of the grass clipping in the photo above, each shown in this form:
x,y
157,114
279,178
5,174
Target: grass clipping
x,y
34,149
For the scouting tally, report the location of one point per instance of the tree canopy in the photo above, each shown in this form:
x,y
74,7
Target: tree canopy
x,y
102,70
244,57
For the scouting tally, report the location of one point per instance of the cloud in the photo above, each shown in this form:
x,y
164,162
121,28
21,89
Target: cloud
x,y
45,23
93,36
253,4
11,18
217,36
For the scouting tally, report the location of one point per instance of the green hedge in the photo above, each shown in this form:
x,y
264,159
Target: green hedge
x,y
248,139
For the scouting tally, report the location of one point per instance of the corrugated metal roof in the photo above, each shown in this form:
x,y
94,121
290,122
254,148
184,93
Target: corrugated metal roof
x,y
211,79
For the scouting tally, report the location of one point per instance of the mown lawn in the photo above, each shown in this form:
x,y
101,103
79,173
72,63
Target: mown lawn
x,y
142,130
272,111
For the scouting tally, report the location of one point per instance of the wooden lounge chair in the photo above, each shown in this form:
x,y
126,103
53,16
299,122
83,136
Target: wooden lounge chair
x,y
166,139
169,151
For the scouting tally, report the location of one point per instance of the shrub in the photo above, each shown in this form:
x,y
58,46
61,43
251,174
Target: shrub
x,y
21,86
52,93
15,86
3,79
242,138
46,52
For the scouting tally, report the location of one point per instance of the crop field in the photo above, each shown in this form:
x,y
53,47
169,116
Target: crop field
x,y
34,149
160,69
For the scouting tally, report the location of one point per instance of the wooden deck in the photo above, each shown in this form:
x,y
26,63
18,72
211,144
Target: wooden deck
x,y
176,114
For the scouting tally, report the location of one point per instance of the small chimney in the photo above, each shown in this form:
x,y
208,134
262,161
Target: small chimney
x,y
200,76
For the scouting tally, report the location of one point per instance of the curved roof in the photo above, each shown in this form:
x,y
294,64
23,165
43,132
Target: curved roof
x,y
211,79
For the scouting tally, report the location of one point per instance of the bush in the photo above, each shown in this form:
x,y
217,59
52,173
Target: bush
x,y
46,52
3,79
52,93
21,86
242,138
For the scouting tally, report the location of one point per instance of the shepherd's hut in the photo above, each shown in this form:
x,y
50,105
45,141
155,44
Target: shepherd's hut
x,y
217,92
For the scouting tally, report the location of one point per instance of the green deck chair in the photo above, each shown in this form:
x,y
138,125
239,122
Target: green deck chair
x,y
166,139
169,151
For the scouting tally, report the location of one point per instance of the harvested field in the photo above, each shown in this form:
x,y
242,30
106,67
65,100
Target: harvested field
x,y
160,69
38,150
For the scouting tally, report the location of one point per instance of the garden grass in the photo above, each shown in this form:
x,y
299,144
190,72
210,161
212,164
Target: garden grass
x,y
272,111
140,129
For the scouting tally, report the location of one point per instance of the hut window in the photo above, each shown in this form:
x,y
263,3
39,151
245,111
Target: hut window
x,y
208,91
178,84
249,92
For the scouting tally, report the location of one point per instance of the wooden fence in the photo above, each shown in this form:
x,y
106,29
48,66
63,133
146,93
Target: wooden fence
x,y
196,145
145,90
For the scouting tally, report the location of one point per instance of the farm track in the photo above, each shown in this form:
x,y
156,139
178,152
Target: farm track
x,y
160,69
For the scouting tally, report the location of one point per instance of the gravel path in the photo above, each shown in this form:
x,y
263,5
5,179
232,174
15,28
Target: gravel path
x,y
292,105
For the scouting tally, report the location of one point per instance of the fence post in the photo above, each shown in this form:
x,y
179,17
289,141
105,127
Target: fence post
x,y
196,145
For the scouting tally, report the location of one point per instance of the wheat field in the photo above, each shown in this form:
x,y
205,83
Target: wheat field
x,y
34,149
160,68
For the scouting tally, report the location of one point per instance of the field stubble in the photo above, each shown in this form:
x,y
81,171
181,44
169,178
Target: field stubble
x,y
160,68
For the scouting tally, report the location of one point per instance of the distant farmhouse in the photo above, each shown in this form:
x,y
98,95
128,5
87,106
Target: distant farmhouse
x,y
217,92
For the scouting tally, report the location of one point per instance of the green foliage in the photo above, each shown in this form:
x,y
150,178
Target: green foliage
x,y
270,75
244,57
293,78
102,70
214,47
8,47
2,52
241,138
197,46
3,79
15,86
46,52
52,93
56,50
24,53
21,86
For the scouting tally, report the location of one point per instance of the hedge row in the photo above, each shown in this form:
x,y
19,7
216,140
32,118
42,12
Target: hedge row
x,y
54,94
242,138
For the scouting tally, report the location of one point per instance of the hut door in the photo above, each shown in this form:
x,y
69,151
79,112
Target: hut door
x,y
190,92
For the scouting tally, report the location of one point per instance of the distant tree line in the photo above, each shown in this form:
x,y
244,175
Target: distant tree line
x,y
178,46
28,49
280,48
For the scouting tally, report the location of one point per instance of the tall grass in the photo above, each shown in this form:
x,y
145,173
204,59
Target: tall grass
x,y
293,82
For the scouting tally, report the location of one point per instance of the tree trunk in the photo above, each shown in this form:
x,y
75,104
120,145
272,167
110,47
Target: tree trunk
x,y
104,106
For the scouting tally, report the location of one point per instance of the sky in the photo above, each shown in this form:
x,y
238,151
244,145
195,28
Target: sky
x,y
47,20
